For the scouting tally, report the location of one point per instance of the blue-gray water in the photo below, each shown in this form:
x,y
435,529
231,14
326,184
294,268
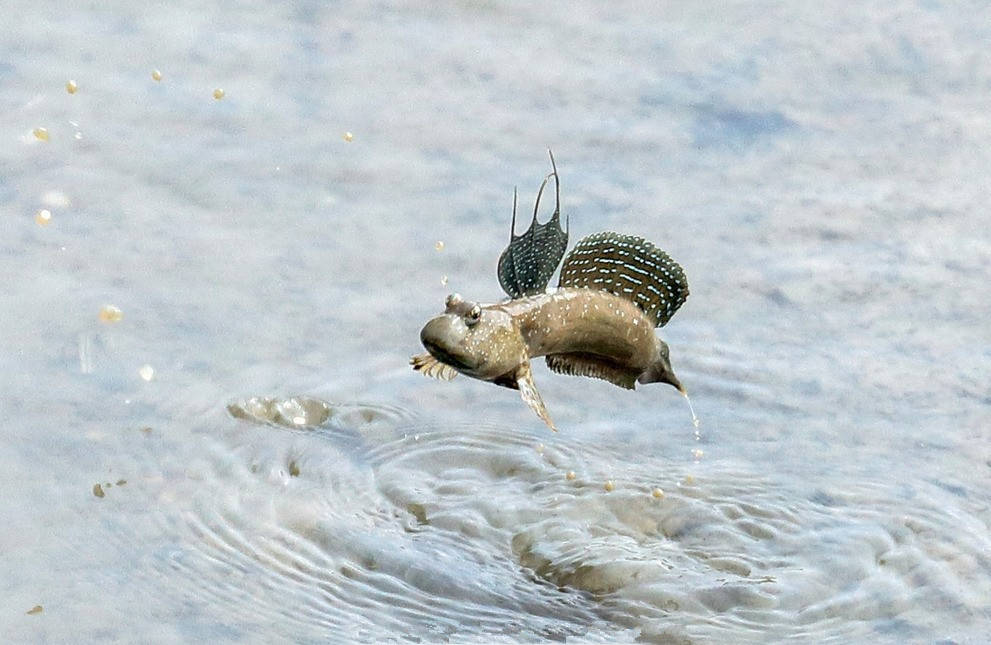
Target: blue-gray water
x,y
819,170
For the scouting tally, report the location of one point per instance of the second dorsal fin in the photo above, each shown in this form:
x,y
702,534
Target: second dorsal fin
x,y
629,267
529,262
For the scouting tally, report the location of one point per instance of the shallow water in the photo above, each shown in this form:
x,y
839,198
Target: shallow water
x,y
284,476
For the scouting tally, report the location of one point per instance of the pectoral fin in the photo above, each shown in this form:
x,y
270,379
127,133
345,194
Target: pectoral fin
x,y
427,364
524,379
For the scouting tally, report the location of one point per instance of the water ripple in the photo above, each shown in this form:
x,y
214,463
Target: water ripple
x,y
371,525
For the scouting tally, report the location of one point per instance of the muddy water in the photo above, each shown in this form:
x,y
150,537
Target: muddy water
x,y
241,453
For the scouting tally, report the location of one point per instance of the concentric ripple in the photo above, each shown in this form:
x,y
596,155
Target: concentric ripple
x,y
367,526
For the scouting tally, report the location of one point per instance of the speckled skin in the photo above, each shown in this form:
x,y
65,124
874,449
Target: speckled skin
x,y
582,320
569,320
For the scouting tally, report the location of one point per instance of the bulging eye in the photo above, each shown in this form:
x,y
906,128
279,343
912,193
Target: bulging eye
x,y
453,300
473,316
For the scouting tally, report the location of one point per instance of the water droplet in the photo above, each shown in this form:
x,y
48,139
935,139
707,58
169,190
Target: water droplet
x,y
44,217
156,75
34,610
111,314
610,486
439,245
657,493
147,372
348,137
71,87
55,199
98,490
218,93
697,454
695,419
443,280
570,475
41,134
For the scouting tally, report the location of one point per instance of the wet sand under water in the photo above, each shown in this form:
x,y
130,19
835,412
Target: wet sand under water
x,y
210,430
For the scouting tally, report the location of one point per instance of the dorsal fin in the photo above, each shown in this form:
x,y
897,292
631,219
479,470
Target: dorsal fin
x,y
528,263
584,364
629,267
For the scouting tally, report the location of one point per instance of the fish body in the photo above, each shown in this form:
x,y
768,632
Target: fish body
x,y
613,291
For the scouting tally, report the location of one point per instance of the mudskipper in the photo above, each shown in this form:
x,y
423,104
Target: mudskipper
x,y
599,322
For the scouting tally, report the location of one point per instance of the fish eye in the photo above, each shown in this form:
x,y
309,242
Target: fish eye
x,y
453,300
473,315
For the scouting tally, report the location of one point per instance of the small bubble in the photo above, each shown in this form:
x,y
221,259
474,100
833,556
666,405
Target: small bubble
x,y
443,280
71,87
218,93
111,314
348,137
78,136
147,372
44,217
41,134
156,75
610,486
439,245
570,475
657,493
539,448
697,453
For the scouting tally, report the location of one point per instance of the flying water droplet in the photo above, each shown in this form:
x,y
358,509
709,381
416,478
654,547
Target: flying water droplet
x,y
111,314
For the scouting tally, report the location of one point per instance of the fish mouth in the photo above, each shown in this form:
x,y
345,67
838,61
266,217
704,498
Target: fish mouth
x,y
444,356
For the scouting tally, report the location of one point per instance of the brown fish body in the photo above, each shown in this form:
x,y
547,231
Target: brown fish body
x,y
580,331
578,322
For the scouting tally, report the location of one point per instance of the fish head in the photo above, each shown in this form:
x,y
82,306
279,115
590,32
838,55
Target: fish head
x,y
479,341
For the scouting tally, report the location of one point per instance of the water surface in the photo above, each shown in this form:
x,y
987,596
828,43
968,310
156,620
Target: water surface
x,y
284,476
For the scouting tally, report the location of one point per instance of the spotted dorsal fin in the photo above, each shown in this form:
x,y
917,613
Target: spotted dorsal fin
x,y
528,263
629,267
582,364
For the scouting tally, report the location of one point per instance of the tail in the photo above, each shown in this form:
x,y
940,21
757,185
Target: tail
x,y
660,371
